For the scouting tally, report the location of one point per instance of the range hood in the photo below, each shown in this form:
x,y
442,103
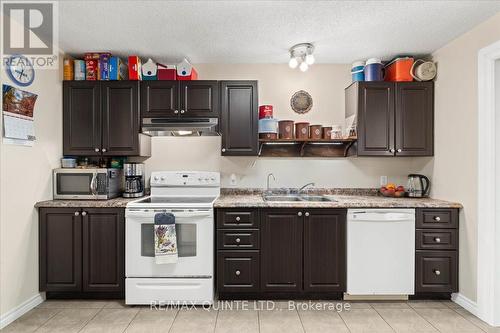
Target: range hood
x,y
180,126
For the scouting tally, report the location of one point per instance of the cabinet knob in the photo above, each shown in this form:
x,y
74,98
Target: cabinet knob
x,y
399,150
103,150
392,150
238,219
77,213
437,218
96,150
437,239
223,150
182,111
306,214
299,213
176,111
237,273
437,272
84,213
238,240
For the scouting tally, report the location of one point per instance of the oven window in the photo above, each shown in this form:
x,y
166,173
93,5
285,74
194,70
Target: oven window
x,y
73,183
186,240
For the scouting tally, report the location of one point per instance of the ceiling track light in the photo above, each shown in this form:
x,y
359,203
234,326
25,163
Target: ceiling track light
x,y
301,55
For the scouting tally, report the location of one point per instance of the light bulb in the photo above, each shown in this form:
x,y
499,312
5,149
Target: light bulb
x,y
310,59
293,63
303,66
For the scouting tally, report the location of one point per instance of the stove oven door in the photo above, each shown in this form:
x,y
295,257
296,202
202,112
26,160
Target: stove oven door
x,y
194,228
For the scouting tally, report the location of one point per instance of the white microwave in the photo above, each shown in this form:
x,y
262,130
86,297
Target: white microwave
x,y
87,184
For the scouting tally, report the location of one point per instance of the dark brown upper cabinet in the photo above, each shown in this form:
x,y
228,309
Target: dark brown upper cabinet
x,y
172,99
101,118
239,118
394,118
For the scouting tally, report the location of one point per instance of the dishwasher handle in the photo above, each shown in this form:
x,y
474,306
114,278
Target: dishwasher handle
x,y
381,216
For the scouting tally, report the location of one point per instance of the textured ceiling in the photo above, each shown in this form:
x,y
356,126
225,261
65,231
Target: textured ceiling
x,y
263,31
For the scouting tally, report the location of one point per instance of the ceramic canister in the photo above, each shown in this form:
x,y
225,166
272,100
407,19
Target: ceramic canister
x,y
285,129
315,131
302,130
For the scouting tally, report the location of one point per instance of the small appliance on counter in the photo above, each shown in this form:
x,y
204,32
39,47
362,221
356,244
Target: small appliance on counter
x,y
418,186
134,180
87,184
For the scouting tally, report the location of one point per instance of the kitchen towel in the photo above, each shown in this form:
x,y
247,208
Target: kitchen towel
x,y
165,239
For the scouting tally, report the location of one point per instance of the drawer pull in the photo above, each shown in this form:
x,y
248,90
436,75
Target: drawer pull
x,y
238,218
307,213
238,240
299,213
77,213
437,272
437,218
437,240
237,273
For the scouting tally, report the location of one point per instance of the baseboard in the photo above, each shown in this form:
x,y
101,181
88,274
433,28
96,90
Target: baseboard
x,y
464,302
21,309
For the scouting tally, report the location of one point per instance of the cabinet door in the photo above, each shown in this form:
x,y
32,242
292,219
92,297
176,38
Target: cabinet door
x,y
60,242
414,118
376,119
120,118
103,249
325,250
436,271
199,99
159,99
239,118
81,118
281,250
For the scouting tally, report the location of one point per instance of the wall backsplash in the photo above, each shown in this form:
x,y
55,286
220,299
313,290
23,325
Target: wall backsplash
x,y
277,83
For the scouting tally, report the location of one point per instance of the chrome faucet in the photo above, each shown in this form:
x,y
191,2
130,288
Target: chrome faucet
x,y
303,187
269,176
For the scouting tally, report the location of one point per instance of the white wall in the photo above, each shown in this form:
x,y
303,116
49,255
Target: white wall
x,y
277,83
25,174
453,170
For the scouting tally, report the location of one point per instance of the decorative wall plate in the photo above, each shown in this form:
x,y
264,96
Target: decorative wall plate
x,y
301,102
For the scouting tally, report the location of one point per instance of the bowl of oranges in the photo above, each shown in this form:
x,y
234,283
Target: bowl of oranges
x,y
393,191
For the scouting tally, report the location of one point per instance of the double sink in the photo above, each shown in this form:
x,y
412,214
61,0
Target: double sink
x,y
295,198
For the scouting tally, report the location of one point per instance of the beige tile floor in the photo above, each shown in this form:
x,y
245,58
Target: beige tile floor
x,y
114,316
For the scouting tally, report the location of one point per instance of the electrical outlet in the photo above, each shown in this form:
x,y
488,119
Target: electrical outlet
x,y
233,179
383,180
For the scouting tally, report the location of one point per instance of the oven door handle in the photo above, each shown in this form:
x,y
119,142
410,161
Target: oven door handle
x,y
151,214
93,184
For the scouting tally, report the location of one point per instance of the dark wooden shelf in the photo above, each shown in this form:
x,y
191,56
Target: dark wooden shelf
x,y
306,147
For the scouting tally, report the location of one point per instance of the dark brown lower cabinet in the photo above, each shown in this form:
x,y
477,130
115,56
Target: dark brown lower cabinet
x,y
238,271
324,250
82,250
281,250
103,249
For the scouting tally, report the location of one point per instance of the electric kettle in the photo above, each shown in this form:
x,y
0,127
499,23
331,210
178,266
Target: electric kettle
x,y
418,186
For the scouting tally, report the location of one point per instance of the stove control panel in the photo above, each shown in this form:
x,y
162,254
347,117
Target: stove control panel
x,y
185,179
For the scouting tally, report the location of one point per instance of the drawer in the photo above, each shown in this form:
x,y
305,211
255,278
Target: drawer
x,y
437,218
238,218
437,239
436,271
238,271
237,239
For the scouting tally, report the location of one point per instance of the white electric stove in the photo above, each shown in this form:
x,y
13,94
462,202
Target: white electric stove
x,y
190,197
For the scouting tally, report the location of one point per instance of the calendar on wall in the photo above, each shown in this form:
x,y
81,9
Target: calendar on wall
x,y
18,116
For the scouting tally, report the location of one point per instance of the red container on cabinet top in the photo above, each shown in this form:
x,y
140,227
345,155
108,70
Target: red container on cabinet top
x,y
265,111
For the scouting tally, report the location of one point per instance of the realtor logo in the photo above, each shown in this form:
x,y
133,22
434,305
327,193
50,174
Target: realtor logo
x,y
30,28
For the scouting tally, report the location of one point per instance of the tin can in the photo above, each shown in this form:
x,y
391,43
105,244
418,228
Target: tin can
x,y
92,66
79,70
327,132
302,130
268,136
265,111
68,69
285,129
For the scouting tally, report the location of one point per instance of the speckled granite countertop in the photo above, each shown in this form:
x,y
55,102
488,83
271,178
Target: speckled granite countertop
x,y
349,198
111,203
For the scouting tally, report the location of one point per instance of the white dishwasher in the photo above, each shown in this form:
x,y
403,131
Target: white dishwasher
x,y
380,252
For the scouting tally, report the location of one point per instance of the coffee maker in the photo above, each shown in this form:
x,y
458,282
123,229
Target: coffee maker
x,y
134,180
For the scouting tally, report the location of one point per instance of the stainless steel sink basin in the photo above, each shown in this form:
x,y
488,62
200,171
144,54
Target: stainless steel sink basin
x,y
295,197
